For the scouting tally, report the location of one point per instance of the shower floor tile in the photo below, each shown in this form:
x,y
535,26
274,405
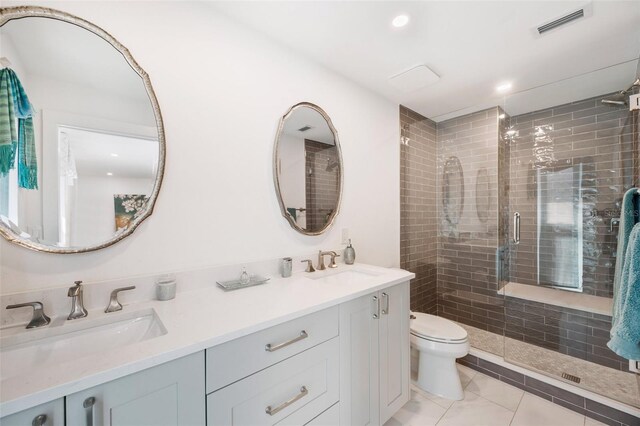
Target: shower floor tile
x,y
487,402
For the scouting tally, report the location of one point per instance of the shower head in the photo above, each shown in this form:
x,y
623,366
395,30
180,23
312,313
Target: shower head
x,y
620,98
613,100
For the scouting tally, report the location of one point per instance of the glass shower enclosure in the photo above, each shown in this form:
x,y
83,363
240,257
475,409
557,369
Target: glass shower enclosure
x,y
565,169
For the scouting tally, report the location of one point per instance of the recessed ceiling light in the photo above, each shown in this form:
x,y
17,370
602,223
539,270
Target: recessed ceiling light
x,y
400,21
113,154
504,87
109,174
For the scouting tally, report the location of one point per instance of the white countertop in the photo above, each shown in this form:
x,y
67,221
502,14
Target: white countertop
x,y
194,320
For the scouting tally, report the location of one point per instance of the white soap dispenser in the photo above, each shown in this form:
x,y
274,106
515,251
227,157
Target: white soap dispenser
x,y
349,254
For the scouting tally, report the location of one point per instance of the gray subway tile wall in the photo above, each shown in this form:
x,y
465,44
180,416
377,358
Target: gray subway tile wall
x,y
467,287
596,142
418,214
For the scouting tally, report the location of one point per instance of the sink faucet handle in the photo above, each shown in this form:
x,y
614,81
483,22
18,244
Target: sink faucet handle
x,y
333,260
75,289
115,305
309,265
39,318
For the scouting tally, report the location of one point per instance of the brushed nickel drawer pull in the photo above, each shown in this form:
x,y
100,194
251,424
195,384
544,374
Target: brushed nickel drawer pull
x,y
273,411
272,348
385,307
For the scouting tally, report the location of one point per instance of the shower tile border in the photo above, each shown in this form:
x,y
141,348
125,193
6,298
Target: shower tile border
x,y
582,405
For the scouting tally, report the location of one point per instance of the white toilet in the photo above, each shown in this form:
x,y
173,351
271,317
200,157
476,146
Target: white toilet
x,y
439,342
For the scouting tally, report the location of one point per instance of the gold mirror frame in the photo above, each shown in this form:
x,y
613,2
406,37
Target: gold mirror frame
x,y
276,179
11,13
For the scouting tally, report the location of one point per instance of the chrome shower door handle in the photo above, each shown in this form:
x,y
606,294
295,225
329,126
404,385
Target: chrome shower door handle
x,y
376,307
516,228
88,405
385,304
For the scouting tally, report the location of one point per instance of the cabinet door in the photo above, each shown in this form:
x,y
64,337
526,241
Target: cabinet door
x,y
49,414
395,355
169,394
359,382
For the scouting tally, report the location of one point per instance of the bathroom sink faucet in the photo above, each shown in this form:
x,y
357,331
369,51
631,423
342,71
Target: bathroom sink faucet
x,y
332,264
77,304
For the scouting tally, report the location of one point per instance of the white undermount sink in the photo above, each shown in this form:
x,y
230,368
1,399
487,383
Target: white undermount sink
x,y
339,276
62,340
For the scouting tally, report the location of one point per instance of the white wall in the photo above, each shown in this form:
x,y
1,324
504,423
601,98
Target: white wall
x,y
222,89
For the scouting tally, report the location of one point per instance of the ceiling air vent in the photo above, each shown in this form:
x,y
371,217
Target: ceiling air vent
x,y
305,128
561,21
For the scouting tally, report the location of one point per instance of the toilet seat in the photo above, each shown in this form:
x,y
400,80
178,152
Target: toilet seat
x,y
437,329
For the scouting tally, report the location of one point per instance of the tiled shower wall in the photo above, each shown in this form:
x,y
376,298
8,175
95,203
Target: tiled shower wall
x,y
467,246
418,225
599,141
468,228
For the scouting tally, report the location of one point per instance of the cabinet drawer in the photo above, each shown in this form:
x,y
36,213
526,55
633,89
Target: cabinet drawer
x,y
330,417
292,392
234,360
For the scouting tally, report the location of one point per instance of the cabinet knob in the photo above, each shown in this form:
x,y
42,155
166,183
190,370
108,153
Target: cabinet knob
x,y
39,420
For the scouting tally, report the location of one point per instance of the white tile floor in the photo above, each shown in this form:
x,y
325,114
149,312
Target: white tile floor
x,y
487,402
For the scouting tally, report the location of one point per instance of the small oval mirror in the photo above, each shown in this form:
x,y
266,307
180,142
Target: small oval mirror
x,y
482,194
308,169
452,190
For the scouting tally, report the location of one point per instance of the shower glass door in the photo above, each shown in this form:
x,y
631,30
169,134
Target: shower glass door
x,y
567,157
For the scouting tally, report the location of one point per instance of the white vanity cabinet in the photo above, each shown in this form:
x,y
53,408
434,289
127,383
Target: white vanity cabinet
x,y
375,356
48,414
287,375
169,394
345,364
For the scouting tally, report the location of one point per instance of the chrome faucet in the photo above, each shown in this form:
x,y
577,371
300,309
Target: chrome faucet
x,y
332,264
77,304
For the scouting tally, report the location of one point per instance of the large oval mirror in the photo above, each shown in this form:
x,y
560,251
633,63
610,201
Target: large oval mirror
x,y
453,190
82,144
308,169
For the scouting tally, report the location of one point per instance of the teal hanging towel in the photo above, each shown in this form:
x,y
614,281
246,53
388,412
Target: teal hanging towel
x,y
16,131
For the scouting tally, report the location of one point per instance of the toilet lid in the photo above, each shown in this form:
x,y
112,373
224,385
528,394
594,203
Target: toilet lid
x,y
436,328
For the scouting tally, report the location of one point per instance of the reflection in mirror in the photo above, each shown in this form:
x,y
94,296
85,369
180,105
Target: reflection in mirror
x,y
308,169
97,147
453,190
